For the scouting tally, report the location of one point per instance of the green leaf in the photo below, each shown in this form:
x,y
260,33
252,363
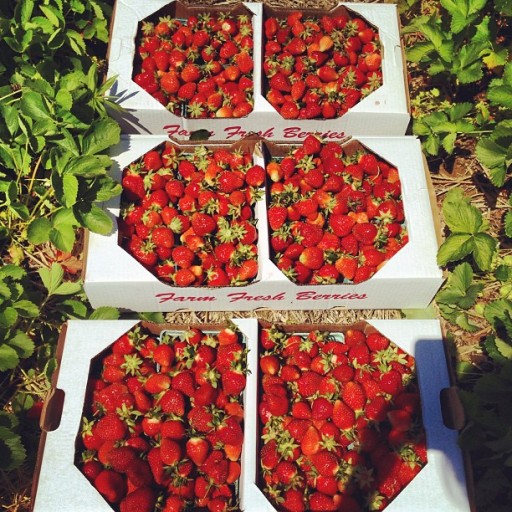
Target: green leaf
x,y
76,41
23,344
419,51
52,277
11,118
152,317
485,247
73,308
455,247
460,288
12,271
504,349
104,134
8,318
86,166
460,110
54,15
460,216
448,142
463,322
492,156
64,99
105,313
8,359
23,11
68,288
63,237
12,452
32,104
500,312
70,189
95,219
26,308
508,223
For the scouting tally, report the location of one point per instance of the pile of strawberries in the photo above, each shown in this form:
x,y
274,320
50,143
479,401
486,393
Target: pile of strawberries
x,y
340,420
333,217
200,67
189,217
319,67
163,424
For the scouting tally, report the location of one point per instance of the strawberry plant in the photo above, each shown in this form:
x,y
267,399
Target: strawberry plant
x,y
198,67
334,215
460,51
54,134
318,67
340,420
163,420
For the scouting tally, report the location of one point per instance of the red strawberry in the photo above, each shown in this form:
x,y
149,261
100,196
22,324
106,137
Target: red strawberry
x,y
197,449
142,499
111,428
310,443
233,382
111,485
354,396
269,456
230,432
203,224
343,416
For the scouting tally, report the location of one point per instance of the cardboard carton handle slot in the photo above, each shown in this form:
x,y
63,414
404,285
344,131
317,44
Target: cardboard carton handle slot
x,y
452,409
52,410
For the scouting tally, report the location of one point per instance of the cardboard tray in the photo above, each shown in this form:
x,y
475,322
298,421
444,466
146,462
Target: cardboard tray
x,y
409,280
441,484
384,111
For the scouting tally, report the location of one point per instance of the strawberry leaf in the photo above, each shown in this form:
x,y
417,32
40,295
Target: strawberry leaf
x,y
454,248
12,452
459,215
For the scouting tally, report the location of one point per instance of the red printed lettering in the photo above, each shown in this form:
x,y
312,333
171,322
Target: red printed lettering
x,y
311,295
175,130
171,296
295,132
236,131
244,296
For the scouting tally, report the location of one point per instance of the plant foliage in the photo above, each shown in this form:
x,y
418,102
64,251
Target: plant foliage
x,y
54,171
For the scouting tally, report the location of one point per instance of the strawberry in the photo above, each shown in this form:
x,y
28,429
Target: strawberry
x,y
342,415
120,458
203,224
326,463
110,428
233,382
197,449
142,499
354,396
310,443
365,233
312,257
139,473
230,432
308,383
111,485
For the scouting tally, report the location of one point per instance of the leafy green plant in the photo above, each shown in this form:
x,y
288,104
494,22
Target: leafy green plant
x,y
495,151
55,134
468,232
454,41
442,127
487,435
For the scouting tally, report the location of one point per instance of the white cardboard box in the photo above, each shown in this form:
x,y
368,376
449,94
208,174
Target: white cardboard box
x,y
409,280
385,111
441,484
